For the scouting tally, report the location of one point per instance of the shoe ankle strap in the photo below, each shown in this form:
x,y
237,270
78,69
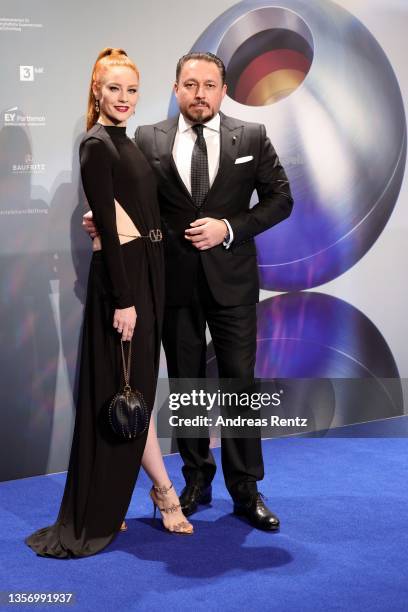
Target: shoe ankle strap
x,y
163,490
170,509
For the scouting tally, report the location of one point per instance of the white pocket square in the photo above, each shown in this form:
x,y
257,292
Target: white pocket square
x,y
242,160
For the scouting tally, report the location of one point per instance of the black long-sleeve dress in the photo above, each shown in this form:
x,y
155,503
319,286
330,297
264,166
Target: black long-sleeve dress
x,y
102,470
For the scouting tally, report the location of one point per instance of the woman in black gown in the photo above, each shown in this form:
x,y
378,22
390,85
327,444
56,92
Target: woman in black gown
x,y
124,300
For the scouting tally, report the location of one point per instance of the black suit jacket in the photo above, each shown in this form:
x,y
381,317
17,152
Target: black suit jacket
x,y
232,274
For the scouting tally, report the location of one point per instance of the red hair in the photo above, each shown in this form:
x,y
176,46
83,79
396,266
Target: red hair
x,y
107,57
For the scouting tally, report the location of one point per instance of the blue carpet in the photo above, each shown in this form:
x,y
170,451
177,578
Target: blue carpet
x,y
343,544
391,427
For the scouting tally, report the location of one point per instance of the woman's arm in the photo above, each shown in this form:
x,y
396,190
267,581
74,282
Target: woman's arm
x,y
96,171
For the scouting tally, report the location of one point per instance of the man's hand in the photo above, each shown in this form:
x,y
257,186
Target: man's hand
x,y
88,224
206,233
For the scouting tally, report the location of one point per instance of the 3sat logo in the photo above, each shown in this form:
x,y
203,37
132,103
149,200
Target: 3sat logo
x,y
28,73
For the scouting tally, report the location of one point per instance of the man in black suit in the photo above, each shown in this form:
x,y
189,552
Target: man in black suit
x,y
207,166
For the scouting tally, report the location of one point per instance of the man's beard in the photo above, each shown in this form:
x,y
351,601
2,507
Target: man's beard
x,y
198,117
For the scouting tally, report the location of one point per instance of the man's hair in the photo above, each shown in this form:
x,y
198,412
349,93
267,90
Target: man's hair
x,y
198,55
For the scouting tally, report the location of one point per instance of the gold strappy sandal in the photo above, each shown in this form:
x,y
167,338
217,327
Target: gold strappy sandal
x,y
183,527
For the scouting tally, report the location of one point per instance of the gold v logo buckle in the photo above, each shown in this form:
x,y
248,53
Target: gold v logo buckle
x,y
155,235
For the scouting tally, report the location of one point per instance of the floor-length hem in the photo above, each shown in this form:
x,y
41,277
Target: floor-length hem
x,y
102,469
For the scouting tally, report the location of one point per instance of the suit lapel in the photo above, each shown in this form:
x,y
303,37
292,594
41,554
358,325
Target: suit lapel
x,y
165,142
230,138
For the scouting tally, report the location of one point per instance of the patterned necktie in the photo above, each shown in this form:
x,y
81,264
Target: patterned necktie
x,y
200,180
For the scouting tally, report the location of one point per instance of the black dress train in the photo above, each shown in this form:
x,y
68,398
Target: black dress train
x,y
102,471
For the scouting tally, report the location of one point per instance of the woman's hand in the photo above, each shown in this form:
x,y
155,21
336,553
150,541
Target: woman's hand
x,y
89,225
124,321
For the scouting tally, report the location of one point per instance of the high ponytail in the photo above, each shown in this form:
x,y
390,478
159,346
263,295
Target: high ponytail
x,y
107,57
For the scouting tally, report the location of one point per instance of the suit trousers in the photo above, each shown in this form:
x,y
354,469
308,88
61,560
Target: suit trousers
x,y
233,332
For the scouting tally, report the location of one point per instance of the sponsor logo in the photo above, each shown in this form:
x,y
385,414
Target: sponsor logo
x,y
8,212
28,166
14,117
27,73
17,24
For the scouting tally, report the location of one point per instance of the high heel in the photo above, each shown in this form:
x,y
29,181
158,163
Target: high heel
x,y
123,527
184,527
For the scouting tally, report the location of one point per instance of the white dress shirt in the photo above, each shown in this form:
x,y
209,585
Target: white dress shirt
x,y
183,150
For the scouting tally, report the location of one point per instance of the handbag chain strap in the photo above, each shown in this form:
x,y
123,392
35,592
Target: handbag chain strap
x,y
126,367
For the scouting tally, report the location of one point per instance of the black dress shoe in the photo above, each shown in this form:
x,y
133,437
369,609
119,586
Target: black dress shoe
x,y
257,513
192,495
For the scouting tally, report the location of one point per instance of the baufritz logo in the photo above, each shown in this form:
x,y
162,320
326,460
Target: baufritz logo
x,y
29,166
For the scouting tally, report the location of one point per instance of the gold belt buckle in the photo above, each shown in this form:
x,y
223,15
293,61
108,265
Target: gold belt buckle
x,y
155,235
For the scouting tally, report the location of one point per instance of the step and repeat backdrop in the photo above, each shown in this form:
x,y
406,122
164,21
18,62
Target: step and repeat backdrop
x,y
330,83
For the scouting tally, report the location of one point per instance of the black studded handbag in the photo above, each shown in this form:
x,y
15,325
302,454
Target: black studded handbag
x,y
128,414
